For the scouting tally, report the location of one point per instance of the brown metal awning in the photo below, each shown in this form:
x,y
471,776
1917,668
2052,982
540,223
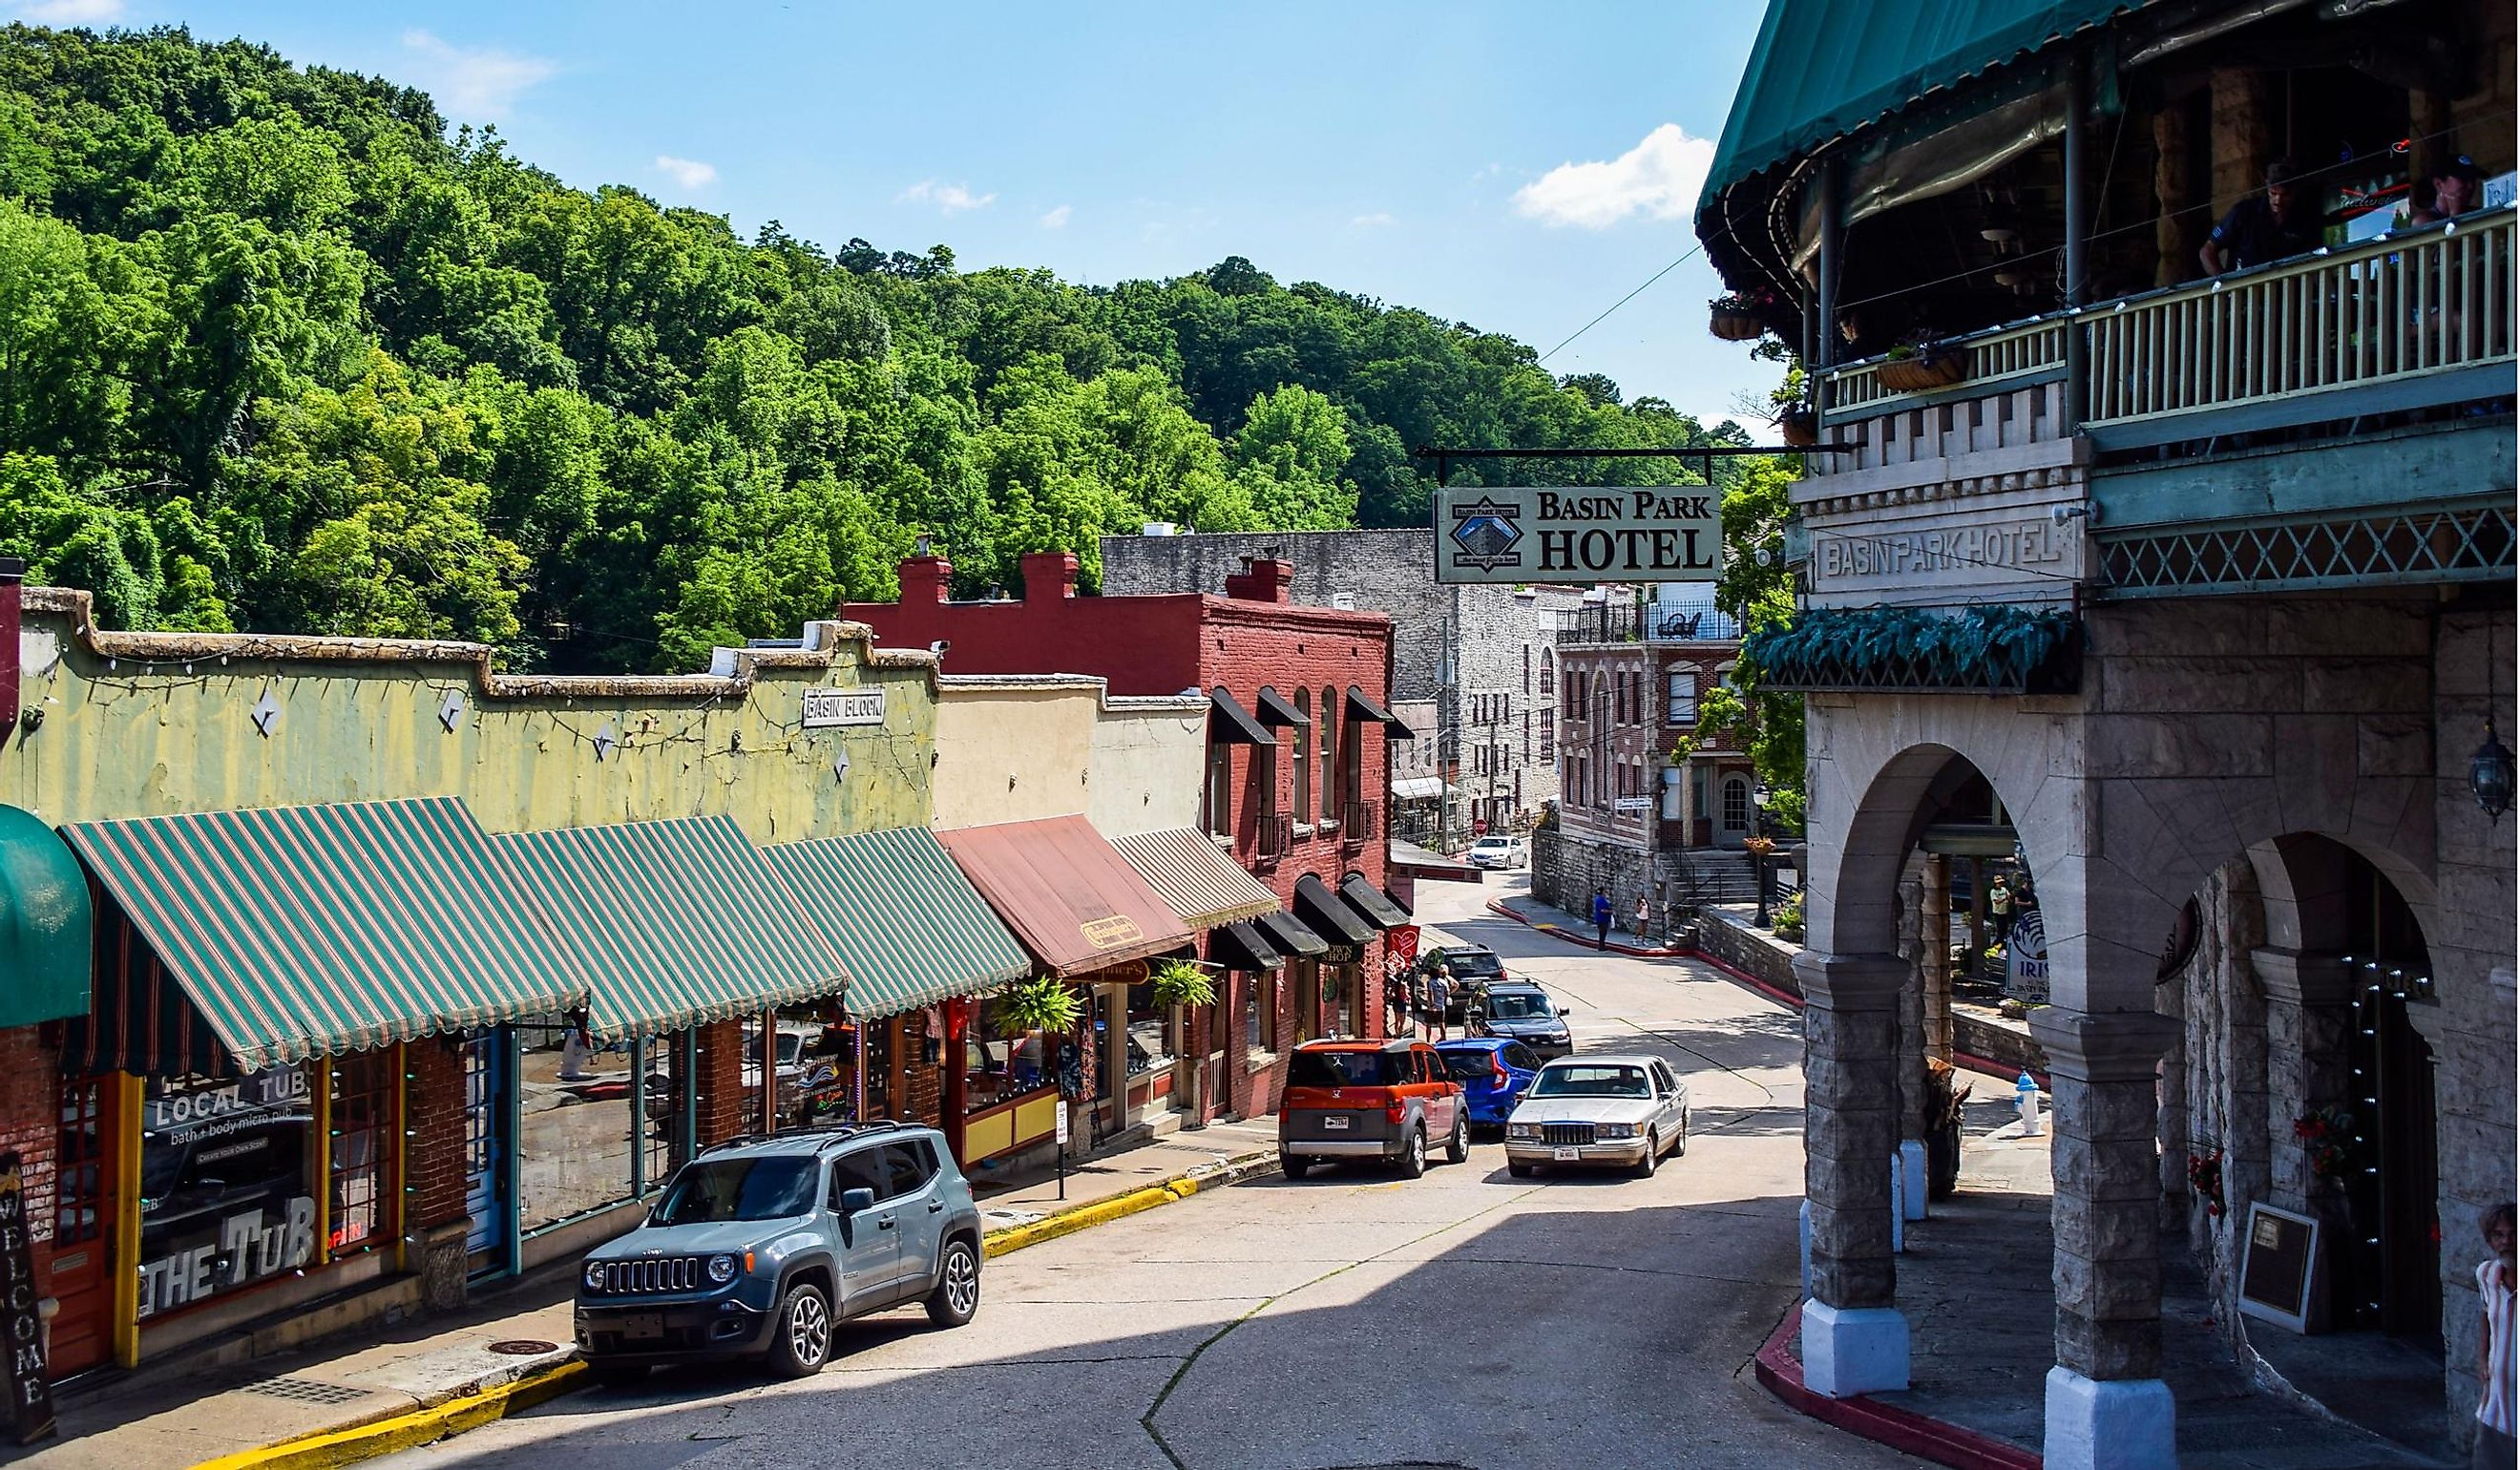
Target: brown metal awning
x,y
1067,894
1274,710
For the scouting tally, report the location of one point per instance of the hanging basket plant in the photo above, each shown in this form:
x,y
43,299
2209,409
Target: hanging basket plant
x,y
1734,316
1798,425
1921,366
1041,1003
1179,983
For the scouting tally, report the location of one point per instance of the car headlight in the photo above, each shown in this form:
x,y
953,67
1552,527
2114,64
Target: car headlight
x,y
594,1275
1523,1130
1614,1131
721,1268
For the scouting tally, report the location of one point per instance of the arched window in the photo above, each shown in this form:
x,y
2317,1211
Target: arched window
x,y
1548,669
1303,733
1329,716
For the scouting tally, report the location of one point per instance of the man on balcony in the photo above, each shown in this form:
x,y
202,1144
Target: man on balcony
x,y
2264,227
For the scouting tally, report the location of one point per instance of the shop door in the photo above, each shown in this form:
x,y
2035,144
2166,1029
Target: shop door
x,y
83,1226
2391,1202
485,1149
1735,817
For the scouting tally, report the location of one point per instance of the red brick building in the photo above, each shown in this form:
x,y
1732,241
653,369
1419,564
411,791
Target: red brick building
x,y
1296,772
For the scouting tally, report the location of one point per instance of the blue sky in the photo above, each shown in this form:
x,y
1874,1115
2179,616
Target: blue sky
x,y
1515,166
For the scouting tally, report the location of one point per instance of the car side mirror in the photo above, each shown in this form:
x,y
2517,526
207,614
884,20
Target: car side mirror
x,y
854,1200
1565,1010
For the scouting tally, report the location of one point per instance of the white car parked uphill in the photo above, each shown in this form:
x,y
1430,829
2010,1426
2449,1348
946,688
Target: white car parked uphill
x,y
1628,1110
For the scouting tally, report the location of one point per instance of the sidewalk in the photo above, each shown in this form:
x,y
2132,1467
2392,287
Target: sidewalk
x,y
359,1397
1560,924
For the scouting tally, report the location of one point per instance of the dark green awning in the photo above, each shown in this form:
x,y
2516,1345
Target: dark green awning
x,y
1822,68
1229,721
301,931
681,921
911,929
46,932
1290,936
1327,914
1379,909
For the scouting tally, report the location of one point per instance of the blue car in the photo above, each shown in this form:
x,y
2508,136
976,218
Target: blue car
x,y
1493,1071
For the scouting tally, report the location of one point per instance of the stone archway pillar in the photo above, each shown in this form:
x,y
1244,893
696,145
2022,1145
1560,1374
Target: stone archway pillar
x,y
1853,1339
2107,1405
2310,1010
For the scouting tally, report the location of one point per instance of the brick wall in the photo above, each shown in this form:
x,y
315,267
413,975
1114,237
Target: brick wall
x,y
30,1124
434,1156
725,1108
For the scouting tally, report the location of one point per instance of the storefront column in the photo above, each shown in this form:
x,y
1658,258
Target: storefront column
x,y
435,1173
717,1090
1853,1339
957,1094
2310,1012
2106,1403
1934,933
126,1112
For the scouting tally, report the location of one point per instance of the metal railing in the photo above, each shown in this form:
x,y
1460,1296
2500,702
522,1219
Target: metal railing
x,y
1275,834
1356,822
1655,622
2418,303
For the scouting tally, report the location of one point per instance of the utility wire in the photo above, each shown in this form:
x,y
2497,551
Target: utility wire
x,y
1693,251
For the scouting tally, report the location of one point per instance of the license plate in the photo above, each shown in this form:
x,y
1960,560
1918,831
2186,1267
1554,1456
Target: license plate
x,y
643,1327
1334,1122
1565,1155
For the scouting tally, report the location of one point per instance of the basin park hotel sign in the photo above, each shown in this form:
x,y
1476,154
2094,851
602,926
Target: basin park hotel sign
x,y
1523,534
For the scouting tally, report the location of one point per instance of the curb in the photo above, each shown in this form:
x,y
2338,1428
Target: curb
x,y
472,1411
1500,908
1781,1373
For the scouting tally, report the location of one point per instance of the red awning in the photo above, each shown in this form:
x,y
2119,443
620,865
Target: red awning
x,y
1067,894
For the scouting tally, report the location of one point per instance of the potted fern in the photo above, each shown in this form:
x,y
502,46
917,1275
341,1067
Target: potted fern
x,y
1179,983
1040,1002
1734,316
1798,424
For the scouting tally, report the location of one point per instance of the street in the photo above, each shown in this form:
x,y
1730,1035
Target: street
x,y
1353,1319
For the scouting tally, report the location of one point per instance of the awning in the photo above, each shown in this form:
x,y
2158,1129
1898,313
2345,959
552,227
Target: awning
x,y
1067,894
1326,915
1361,706
1242,946
1394,729
1379,909
1230,721
46,930
1420,788
301,931
1274,710
910,929
681,921
1194,881
1290,936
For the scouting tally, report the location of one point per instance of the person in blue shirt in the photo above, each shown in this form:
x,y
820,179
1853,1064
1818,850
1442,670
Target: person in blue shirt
x,y
1602,917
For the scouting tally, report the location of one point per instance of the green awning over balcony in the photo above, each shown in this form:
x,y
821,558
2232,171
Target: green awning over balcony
x,y
681,921
911,929
1822,68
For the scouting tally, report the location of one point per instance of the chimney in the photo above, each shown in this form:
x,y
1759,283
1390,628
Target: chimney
x,y
1049,576
923,578
1263,579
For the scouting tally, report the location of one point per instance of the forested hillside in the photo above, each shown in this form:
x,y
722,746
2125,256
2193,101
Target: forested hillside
x,y
278,352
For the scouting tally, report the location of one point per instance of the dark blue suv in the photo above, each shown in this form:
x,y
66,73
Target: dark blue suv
x,y
761,1245
1494,1071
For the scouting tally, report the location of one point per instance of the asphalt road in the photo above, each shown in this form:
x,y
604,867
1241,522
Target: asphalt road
x,y
1466,1318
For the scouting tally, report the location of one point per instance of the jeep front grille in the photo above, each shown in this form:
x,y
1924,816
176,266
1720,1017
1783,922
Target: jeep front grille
x,y
660,1275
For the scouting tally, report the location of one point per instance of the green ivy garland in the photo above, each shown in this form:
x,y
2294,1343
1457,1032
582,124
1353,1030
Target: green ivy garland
x,y
1984,646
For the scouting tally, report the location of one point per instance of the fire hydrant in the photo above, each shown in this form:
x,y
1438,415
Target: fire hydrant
x,y
2025,1094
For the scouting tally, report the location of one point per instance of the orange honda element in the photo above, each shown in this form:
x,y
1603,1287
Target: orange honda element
x,y
1369,1101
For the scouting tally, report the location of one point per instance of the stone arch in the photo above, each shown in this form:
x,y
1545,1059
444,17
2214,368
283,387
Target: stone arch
x,y
2302,876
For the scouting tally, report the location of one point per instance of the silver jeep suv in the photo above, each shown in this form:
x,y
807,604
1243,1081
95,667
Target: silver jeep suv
x,y
761,1244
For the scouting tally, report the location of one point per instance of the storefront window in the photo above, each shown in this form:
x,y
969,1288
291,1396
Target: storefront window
x,y
999,1061
227,1183
1153,1032
364,1123
1260,1011
814,1066
574,1152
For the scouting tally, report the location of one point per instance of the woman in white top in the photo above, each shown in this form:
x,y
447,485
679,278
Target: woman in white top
x,y
2493,1293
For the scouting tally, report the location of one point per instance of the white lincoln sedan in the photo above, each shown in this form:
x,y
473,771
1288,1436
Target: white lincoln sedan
x,y
1628,1110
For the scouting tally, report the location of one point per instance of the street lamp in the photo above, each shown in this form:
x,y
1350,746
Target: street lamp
x,y
1759,859
2489,774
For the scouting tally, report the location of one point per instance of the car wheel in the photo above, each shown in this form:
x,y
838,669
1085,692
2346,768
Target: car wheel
x,y
1644,1166
1293,1167
1680,1148
956,1297
1522,1170
802,1343
1458,1150
1413,1154
617,1374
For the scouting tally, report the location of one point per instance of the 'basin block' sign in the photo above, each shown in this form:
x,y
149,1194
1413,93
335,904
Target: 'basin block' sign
x,y
1579,534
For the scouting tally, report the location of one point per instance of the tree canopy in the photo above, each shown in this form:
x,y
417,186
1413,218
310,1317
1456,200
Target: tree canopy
x,y
280,352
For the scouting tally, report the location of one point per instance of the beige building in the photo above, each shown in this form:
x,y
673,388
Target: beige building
x,y
1015,747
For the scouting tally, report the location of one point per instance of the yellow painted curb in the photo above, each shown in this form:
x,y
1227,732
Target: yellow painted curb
x,y
1104,1211
423,1426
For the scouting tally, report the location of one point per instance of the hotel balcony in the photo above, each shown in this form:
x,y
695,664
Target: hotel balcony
x,y
1597,623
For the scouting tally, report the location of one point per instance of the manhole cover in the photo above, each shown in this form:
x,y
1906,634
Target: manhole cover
x,y
525,1346
306,1391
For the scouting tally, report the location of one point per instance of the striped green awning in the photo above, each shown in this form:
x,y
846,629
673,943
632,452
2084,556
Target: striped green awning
x,y
911,929
301,931
681,921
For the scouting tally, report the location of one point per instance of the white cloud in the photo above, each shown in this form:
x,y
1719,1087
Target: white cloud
x,y
691,173
1056,219
70,11
1658,178
474,82
949,198
1380,219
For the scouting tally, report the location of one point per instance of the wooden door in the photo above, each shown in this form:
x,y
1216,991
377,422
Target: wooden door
x,y
84,1185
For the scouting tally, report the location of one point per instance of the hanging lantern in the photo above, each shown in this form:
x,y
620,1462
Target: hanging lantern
x,y
2489,774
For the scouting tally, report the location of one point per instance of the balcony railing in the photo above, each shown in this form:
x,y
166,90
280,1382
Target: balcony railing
x,y
2418,319
1355,823
1277,835
1655,622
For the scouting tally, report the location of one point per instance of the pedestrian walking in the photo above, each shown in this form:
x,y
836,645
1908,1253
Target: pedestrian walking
x,y
1602,918
2495,1389
1396,1001
1998,904
1644,919
1439,996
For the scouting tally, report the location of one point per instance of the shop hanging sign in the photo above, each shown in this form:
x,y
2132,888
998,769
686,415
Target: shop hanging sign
x,y
30,1396
1579,537
828,709
1400,946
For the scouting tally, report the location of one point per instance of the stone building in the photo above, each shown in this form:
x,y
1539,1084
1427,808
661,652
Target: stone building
x,y
2197,592
1483,656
